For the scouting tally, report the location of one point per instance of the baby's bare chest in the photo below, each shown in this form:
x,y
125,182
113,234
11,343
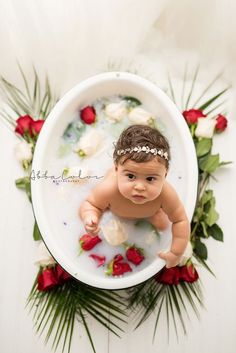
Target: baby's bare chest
x,y
124,208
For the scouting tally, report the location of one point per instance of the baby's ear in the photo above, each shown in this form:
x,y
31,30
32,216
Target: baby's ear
x,y
116,168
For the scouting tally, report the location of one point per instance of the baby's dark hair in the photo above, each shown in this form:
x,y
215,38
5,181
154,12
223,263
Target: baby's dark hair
x,y
141,135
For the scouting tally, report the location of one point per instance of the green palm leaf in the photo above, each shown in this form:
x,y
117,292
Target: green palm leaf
x,y
57,310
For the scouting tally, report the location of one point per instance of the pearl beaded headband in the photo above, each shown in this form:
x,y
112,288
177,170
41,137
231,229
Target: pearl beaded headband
x,y
145,149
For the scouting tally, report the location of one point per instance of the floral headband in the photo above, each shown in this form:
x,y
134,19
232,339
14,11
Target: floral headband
x,y
145,149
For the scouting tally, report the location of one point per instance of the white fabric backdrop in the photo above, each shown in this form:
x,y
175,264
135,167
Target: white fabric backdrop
x,y
72,40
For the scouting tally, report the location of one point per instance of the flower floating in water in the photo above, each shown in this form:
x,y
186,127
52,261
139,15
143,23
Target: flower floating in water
x,y
99,259
89,143
134,255
140,116
117,266
116,111
88,115
114,232
88,241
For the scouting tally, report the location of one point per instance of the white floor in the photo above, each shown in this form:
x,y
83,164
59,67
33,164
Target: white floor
x,y
215,332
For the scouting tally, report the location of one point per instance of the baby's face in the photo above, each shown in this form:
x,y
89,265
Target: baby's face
x,y
140,182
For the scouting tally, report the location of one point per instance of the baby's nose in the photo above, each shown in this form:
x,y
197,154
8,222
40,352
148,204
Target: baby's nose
x,y
139,186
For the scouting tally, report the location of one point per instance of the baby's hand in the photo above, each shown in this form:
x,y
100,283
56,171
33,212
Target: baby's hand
x,y
170,258
91,224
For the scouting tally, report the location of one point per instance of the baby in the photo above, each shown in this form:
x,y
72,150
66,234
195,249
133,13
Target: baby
x,y
136,188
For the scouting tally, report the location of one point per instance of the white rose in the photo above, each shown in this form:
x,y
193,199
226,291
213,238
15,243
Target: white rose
x,y
114,232
89,143
205,127
23,151
43,257
116,111
140,116
187,254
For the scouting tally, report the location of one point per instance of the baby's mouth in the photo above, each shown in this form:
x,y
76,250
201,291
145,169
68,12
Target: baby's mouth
x,y
138,197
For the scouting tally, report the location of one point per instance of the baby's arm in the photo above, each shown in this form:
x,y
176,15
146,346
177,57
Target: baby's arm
x,y
92,208
175,211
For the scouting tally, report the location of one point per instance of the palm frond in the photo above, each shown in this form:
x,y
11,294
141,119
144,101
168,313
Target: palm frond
x,y
184,85
21,102
212,99
207,88
56,310
173,301
171,88
192,87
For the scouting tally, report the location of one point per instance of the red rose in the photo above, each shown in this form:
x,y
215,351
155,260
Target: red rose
x,y
221,123
188,273
191,116
47,279
88,241
99,259
88,115
62,275
23,124
26,125
52,277
168,275
116,267
36,126
134,255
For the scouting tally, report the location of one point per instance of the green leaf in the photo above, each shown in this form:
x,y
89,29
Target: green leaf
x,y
171,88
74,131
36,232
132,101
216,232
24,184
200,249
207,88
203,147
212,99
212,216
224,163
209,163
207,196
192,87
204,229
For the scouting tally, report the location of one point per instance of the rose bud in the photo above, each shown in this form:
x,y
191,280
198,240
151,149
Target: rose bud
x,y
116,267
135,255
188,273
23,124
36,126
88,115
100,260
191,116
88,241
47,279
61,274
221,123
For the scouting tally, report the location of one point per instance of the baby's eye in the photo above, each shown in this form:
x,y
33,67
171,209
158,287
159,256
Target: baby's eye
x,y
130,176
150,178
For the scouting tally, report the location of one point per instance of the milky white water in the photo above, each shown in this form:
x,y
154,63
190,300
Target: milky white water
x,y
65,195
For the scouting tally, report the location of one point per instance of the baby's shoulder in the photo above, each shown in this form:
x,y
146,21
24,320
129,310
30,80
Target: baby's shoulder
x,y
168,193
